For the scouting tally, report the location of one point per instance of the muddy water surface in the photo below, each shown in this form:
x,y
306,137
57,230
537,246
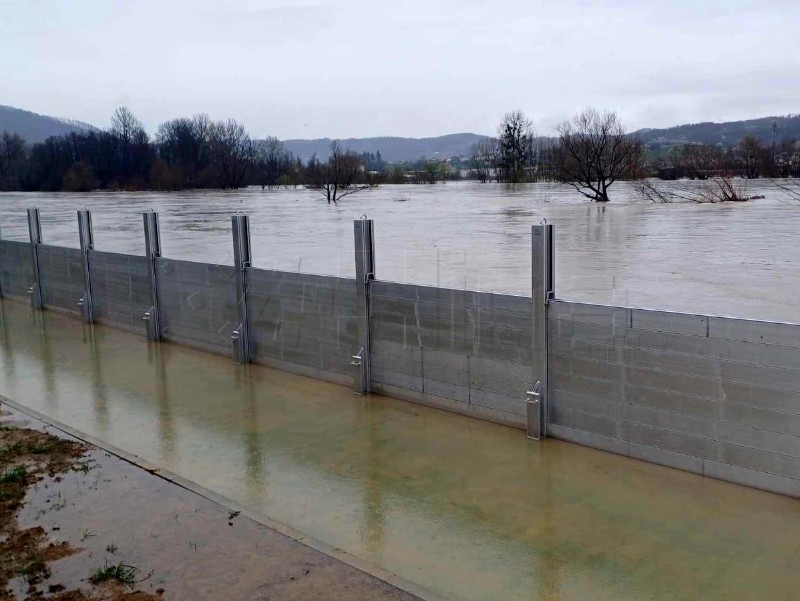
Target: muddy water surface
x,y
735,259
467,509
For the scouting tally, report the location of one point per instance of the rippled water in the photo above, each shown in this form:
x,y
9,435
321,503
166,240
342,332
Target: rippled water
x,y
737,259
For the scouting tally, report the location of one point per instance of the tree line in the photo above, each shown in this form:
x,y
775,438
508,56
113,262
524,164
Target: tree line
x,y
185,153
591,153
748,159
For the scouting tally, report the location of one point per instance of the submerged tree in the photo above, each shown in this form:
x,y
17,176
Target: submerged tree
x,y
13,157
515,147
712,190
232,152
483,159
594,152
338,177
133,151
272,162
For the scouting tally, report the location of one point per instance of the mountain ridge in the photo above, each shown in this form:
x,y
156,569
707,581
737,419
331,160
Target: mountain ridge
x,y
35,127
725,133
392,148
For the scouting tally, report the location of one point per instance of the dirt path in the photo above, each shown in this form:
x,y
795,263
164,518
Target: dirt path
x,y
77,523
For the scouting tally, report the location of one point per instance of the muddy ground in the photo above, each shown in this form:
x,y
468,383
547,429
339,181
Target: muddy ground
x,y
77,523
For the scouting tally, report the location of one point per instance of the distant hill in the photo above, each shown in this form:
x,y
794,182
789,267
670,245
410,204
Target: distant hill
x,y
726,134
392,149
34,127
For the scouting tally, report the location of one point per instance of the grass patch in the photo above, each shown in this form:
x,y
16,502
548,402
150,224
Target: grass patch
x,y
11,451
122,573
15,476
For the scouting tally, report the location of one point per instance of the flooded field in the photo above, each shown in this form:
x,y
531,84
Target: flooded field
x,y
466,509
736,259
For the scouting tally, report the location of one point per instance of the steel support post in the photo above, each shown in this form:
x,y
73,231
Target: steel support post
x,y
241,261
35,233
86,238
543,289
152,244
365,275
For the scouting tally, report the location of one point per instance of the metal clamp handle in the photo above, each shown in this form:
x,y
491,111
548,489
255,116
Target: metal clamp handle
x,y
533,396
358,360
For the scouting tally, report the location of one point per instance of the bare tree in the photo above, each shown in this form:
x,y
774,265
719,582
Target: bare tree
x,y
13,154
701,161
232,152
125,125
338,177
272,161
712,190
133,143
515,147
594,152
749,155
483,157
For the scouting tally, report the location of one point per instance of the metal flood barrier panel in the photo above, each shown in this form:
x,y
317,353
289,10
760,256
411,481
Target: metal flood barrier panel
x,y
197,304
712,395
16,270
465,351
61,270
303,323
119,290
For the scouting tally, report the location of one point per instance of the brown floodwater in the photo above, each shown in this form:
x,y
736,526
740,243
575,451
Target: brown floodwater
x,y
467,509
734,259
188,547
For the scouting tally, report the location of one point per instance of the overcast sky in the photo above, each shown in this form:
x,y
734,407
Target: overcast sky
x,y
355,68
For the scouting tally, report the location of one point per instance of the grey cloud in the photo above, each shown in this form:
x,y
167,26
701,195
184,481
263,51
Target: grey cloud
x,y
356,67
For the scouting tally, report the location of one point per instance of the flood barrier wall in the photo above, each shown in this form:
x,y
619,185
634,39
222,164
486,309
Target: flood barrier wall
x,y
467,351
712,395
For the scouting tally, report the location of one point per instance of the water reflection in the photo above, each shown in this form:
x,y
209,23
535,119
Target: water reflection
x,y
156,355
254,463
373,526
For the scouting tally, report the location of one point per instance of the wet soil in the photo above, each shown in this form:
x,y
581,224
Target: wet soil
x,y
78,512
30,459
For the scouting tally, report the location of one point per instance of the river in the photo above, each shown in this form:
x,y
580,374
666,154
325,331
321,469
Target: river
x,y
733,259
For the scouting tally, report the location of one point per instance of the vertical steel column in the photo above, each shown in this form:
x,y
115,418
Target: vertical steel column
x,y
241,261
35,232
152,244
543,289
86,238
365,274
